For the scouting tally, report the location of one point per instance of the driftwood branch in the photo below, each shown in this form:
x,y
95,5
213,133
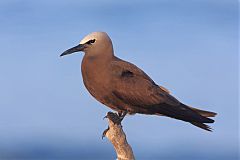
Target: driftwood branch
x,y
117,137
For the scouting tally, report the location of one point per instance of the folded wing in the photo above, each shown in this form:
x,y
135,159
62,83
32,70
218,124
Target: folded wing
x,y
136,88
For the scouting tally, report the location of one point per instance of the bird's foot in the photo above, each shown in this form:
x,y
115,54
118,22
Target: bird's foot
x,y
114,117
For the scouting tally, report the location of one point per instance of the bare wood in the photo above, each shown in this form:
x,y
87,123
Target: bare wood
x,y
117,137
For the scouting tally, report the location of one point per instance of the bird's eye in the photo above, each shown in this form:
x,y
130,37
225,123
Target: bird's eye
x,y
90,41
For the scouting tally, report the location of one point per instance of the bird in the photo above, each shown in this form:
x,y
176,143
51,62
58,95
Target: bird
x,y
125,88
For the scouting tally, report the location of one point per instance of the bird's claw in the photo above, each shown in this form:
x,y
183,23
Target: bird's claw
x,y
104,117
105,132
114,117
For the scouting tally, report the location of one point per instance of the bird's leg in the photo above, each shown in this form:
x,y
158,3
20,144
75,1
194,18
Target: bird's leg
x,y
121,115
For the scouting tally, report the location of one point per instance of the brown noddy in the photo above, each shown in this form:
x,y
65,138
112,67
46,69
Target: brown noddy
x,y
125,88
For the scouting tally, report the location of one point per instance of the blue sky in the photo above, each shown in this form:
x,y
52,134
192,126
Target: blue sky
x,y
190,47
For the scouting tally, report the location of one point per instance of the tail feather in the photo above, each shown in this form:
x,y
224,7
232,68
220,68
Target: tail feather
x,y
183,112
204,113
202,125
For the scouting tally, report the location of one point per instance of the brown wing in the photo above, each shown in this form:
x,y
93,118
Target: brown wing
x,y
135,87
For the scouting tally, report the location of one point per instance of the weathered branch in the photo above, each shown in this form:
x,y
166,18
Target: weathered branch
x,y
117,137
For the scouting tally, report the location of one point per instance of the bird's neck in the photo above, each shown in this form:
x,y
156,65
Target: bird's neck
x,y
95,63
101,58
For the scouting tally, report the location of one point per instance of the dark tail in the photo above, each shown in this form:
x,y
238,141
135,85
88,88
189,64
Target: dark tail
x,y
202,125
204,113
188,114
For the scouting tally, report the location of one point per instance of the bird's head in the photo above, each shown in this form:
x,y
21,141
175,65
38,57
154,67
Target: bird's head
x,y
95,43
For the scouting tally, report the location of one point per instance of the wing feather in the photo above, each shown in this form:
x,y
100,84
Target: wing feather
x,y
138,88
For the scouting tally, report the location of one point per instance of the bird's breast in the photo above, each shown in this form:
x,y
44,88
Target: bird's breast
x,y
95,78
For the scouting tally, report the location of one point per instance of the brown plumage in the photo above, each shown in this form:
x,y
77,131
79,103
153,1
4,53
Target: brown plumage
x,y
125,88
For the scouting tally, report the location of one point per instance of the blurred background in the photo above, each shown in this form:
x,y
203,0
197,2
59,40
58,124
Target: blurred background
x,y
190,47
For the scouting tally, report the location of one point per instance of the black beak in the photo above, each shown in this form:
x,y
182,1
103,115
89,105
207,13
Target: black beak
x,y
77,48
